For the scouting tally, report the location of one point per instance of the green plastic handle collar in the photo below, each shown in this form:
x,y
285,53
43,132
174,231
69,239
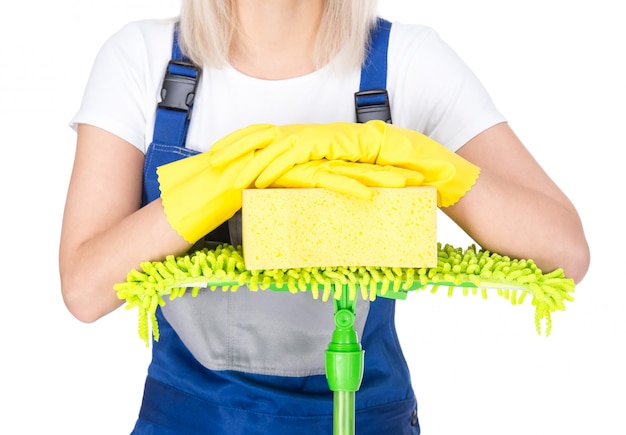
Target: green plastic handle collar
x,y
344,356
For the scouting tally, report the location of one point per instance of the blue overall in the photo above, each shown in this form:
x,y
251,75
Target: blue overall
x,y
182,397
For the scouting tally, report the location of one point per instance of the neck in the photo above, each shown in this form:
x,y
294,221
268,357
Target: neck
x,y
275,39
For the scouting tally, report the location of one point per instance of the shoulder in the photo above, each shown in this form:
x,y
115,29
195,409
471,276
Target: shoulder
x,y
409,33
418,44
134,58
141,39
125,79
433,89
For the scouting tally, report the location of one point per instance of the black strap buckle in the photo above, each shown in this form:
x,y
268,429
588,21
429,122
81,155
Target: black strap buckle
x,y
179,89
372,104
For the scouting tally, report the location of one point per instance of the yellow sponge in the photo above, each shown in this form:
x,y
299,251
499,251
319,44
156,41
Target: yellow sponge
x,y
313,227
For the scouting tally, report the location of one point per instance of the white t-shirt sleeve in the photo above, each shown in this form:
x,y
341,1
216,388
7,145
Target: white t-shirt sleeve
x,y
120,93
433,91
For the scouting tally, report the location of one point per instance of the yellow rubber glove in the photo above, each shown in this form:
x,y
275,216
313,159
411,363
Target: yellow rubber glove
x,y
352,178
277,149
334,141
197,197
374,175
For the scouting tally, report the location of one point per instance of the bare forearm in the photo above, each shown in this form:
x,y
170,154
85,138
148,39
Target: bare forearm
x,y
517,221
89,270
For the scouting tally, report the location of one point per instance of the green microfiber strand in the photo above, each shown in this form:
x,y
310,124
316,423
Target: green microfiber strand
x,y
469,270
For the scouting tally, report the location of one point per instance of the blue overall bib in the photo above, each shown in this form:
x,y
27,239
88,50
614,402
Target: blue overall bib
x,y
183,397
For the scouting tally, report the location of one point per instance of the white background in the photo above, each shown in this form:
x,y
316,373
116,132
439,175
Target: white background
x,y
556,70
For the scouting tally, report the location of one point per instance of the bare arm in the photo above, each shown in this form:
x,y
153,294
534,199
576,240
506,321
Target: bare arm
x,y
105,232
515,209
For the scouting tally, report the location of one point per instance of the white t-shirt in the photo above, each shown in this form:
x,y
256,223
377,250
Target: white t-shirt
x,y
431,90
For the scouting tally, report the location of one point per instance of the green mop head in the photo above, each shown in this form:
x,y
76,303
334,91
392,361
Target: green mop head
x,y
470,270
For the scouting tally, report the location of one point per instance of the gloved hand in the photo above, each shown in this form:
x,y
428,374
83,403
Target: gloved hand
x,y
197,197
277,149
352,178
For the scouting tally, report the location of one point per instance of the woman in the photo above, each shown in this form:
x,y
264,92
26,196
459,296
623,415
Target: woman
x,y
281,62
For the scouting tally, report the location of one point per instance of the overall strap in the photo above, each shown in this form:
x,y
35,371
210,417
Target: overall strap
x,y
177,94
372,100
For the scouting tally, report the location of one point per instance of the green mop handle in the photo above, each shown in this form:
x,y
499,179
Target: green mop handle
x,y
344,365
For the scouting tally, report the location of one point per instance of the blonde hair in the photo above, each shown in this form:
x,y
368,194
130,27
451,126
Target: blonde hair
x,y
208,27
